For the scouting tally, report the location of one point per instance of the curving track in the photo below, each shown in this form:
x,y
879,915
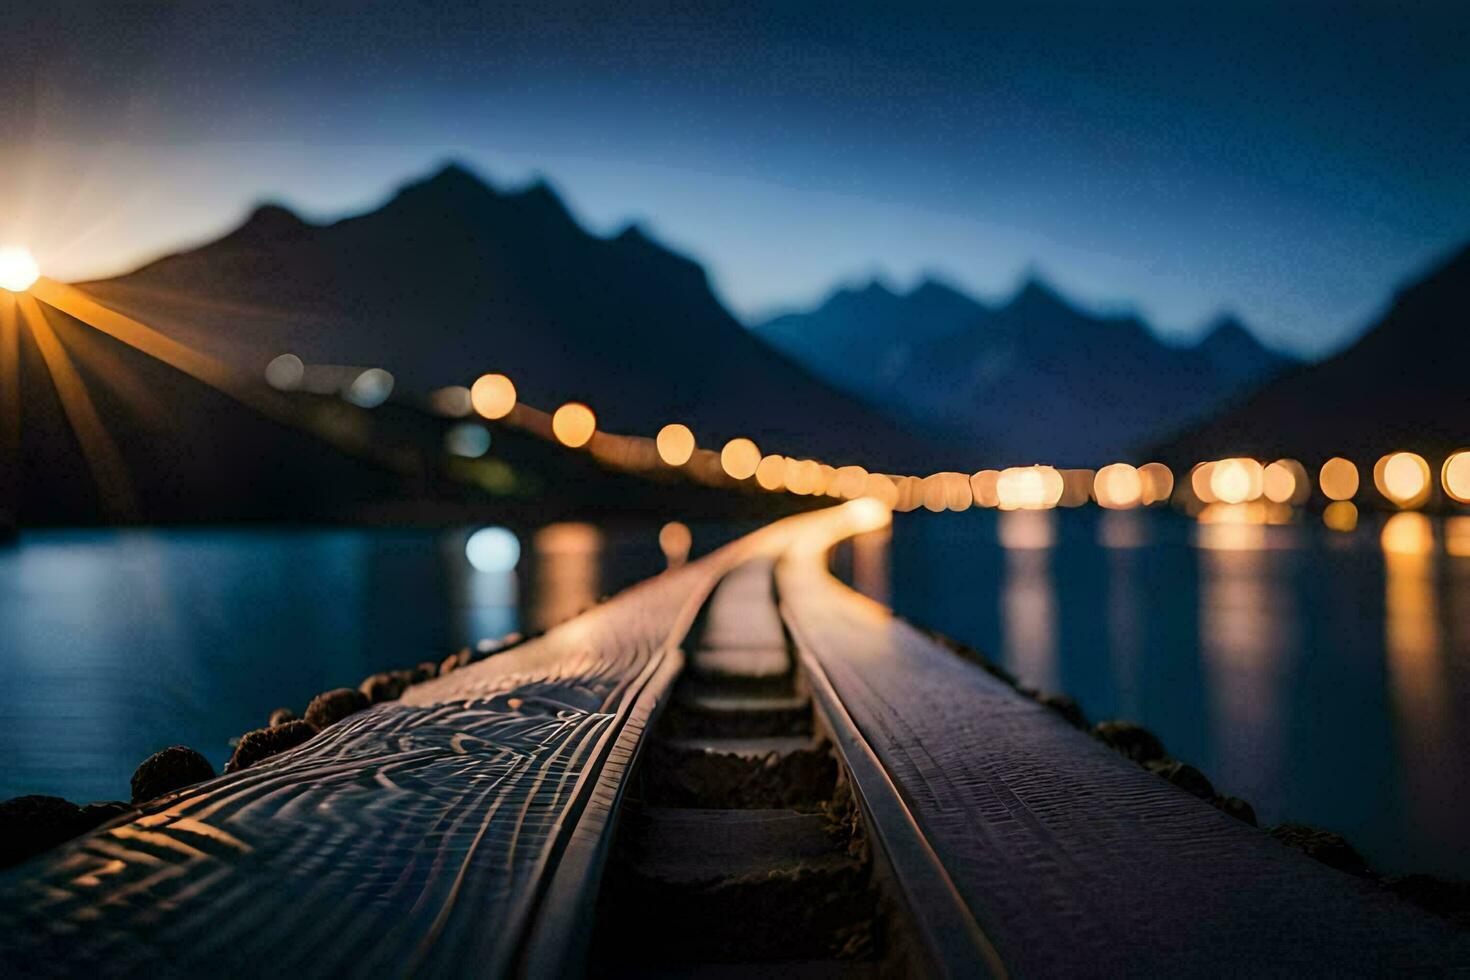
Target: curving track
x,y
466,828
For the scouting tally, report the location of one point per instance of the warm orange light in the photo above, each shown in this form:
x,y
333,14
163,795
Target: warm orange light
x,y
1279,482
1457,537
934,493
1403,478
771,473
1158,483
1029,488
982,488
740,457
1199,481
1408,534
849,481
18,269
1338,479
674,540
494,395
881,489
1340,515
675,444
1234,481
1076,487
1455,475
573,424
1118,487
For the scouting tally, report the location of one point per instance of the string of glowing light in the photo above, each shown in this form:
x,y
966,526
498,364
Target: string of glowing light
x,y
1402,478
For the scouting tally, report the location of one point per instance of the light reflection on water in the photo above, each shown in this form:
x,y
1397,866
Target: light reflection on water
x,y
1316,674
114,644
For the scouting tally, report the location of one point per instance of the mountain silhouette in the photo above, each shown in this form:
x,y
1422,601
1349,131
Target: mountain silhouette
x,y
1402,385
1034,378
452,277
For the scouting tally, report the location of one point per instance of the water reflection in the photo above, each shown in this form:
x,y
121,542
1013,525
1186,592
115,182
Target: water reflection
x,y
1028,599
1247,632
1415,659
485,602
568,572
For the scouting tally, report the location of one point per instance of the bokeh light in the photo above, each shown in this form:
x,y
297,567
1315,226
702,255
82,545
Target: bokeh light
x,y
452,402
18,269
1341,515
1237,480
1408,534
1200,479
573,424
1279,482
1118,487
1076,487
740,458
494,396
493,549
468,440
675,540
983,488
284,373
771,473
1029,488
1338,479
1455,476
1403,478
675,444
1158,483
882,489
370,389
1457,537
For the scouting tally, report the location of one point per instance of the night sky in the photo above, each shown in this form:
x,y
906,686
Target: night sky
x,y
1291,165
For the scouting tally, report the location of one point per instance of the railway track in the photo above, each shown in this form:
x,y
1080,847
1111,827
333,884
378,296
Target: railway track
x,y
737,768
743,841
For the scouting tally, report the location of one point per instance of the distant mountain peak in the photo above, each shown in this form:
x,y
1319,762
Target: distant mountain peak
x,y
269,223
1038,295
931,287
452,185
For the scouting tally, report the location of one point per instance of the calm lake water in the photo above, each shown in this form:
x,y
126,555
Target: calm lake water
x,y
1307,671
1313,673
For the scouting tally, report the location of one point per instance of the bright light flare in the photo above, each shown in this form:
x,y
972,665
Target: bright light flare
x,y
18,269
1029,488
1403,478
494,395
573,424
1118,487
493,549
867,514
675,444
1235,481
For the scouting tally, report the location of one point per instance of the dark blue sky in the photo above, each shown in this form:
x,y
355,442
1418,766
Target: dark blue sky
x,y
1293,163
